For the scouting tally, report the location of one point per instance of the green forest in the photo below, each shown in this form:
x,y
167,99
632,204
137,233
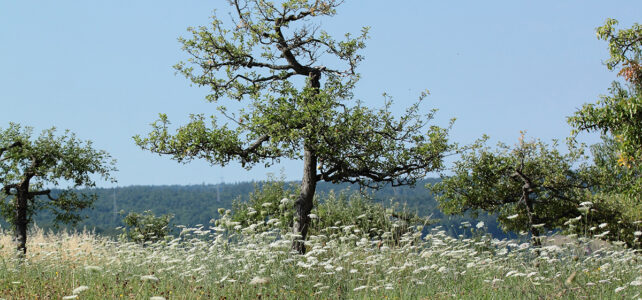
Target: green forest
x,y
198,204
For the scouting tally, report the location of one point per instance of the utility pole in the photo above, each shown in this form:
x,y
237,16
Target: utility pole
x,y
114,204
218,191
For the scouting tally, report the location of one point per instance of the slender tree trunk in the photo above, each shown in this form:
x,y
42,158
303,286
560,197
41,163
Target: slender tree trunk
x,y
20,221
305,201
527,189
531,217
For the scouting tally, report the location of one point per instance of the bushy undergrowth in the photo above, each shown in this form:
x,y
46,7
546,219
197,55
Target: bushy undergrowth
x,y
273,202
213,263
146,227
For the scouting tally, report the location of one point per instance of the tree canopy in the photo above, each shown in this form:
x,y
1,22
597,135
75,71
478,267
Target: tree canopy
x,y
296,81
29,166
532,186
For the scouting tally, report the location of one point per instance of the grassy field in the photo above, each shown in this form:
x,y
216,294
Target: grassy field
x,y
210,263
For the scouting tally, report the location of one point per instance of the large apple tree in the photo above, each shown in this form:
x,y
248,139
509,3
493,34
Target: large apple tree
x,y
295,81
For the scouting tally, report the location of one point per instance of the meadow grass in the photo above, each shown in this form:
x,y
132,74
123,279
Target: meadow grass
x,y
212,263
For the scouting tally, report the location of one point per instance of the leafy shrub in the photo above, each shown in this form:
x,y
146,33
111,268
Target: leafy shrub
x,y
272,203
146,227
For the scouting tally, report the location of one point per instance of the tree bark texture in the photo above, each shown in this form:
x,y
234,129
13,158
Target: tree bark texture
x,y
305,202
20,221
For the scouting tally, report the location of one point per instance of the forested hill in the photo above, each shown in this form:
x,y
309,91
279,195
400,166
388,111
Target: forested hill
x,y
198,204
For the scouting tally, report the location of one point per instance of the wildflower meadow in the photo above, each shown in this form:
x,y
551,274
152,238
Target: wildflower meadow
x,y
342,262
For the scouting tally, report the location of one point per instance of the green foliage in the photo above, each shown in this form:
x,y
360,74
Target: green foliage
x,y
146,227
532,186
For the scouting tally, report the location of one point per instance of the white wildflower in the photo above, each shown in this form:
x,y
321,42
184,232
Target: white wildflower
x,y
80,289
313,216
538,225
70,297
267,204
602,234
285,201
603,225
259,280
619,289
586,203
480,225
272,221
148,278
512,216
637,233
360,288
157,298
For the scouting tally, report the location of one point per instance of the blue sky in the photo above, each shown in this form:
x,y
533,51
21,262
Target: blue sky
x,y
103,69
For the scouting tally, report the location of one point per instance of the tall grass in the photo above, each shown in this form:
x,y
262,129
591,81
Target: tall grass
x,y
255,263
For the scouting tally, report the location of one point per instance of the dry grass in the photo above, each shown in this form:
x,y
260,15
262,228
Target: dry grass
x,y
79,247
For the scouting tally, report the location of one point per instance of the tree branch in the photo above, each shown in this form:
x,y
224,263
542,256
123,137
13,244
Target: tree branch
x,y
41,193
14,145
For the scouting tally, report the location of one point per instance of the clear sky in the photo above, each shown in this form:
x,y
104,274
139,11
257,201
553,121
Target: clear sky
x,y
103,69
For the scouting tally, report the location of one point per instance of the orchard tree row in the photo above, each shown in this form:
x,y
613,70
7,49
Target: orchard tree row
x,y
296,82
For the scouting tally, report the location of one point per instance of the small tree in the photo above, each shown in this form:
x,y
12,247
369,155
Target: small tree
x,y
146,227
29,166
258,58
531,186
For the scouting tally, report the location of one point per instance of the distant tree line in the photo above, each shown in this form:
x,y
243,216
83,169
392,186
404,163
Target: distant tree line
x,y
196,204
